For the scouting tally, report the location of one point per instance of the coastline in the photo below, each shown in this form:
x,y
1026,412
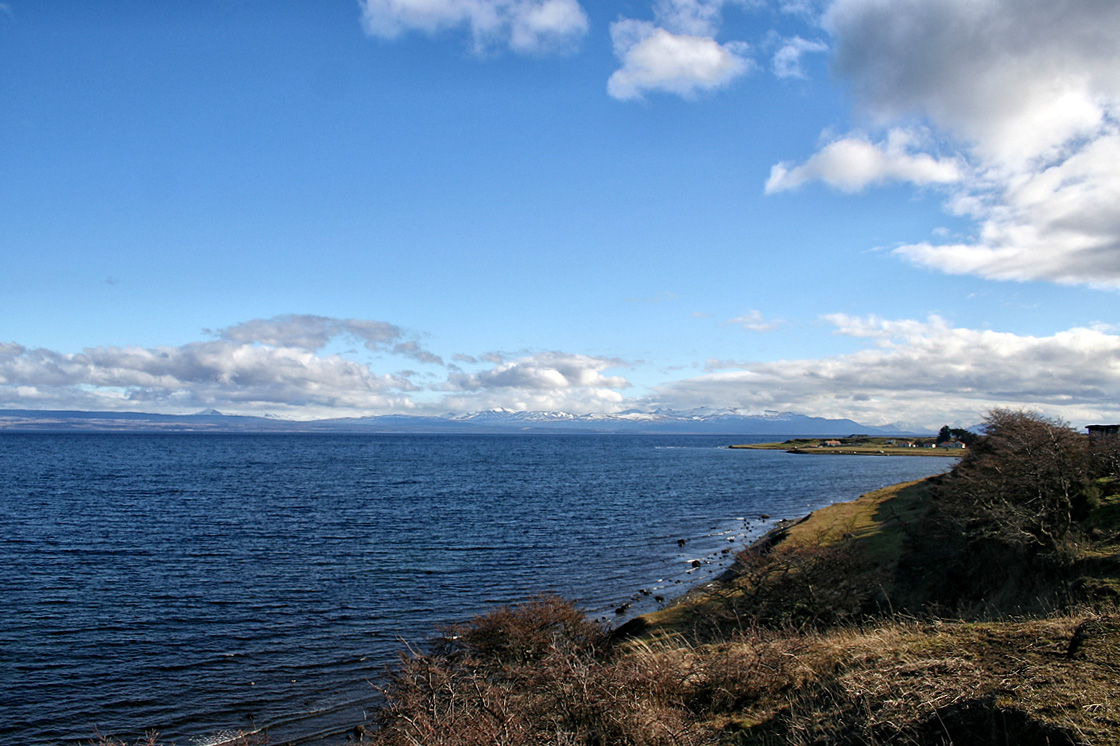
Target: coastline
x,y
853,447
848,521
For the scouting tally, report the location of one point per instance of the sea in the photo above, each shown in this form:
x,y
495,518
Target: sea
x,y
200,585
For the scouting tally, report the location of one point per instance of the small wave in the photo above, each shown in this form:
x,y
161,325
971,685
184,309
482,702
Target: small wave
x,y
222,737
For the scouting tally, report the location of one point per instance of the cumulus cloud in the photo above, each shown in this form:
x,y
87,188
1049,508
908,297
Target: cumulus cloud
x,y
222,374
278,366
1028,91
313,333
654,59
1058,223
546,381
754,321
787,60
525,26
691,17
923,372
853,163
260,366
1017,78
308,332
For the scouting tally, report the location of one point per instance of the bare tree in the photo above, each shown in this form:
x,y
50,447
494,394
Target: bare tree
x,y
1024,479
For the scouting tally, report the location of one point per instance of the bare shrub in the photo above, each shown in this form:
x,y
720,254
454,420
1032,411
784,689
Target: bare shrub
x,y
538,673
732,676
1104,456
1023,480
1007,530
637,699
519,634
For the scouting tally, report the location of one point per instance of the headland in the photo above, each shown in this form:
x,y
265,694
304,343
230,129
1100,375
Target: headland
x,y
862,445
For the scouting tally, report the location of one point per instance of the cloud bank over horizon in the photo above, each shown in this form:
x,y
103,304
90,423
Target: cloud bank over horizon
x,y
922,371
916,372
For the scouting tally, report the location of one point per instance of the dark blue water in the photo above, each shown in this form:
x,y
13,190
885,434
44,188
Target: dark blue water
x,y
203,584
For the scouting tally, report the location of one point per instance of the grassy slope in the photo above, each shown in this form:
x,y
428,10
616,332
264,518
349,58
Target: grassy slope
x,y
875,526
1051,679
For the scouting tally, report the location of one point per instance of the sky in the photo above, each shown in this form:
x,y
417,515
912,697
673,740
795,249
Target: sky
x,y
895,211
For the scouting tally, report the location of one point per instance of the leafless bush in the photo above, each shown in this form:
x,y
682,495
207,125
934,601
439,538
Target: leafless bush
x,y
519,634
1104,456
1023,481
539,673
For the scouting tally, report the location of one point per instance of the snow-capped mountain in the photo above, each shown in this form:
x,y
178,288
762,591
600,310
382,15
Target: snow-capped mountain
x,y
704,420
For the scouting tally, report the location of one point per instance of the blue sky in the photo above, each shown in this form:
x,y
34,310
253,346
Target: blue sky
x,y
894,211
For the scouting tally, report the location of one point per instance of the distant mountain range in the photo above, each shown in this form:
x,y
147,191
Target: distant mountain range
x,y
698,421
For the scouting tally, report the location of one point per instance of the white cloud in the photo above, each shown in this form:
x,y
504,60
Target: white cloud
x,y
1059,223
222,374
690,17
525,26
546,25
262,366
1017,78
308,332
276,366
654,59
854,163
754,321
1027,90
550,370
925,372
548,381
312,333
787,60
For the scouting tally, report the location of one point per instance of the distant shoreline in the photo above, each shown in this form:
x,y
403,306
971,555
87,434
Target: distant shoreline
x,y
857,447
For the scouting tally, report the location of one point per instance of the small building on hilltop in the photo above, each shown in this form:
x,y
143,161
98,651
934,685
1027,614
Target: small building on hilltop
x,y
1096,431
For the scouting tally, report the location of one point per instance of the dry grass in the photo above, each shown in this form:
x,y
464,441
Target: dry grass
x,y
537,673
961,683
1045,681
1050,681
908,682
